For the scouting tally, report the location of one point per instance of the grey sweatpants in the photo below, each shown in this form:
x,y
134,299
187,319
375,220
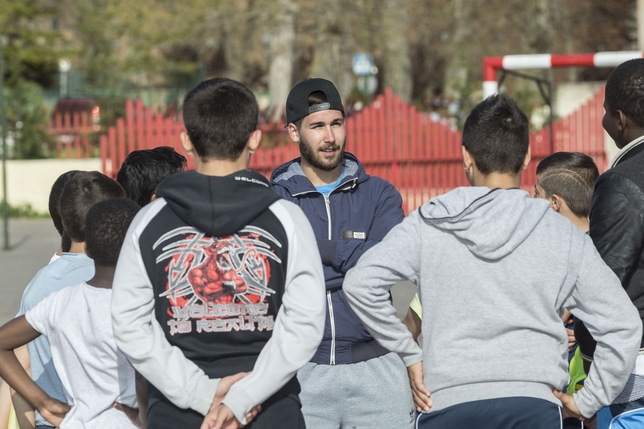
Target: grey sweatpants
x,y
374,394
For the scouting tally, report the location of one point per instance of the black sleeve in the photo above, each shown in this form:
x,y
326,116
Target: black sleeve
x,y
617,230
586,342
617,223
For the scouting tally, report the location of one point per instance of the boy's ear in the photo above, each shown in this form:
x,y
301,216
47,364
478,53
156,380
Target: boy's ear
x,y
186,143
254,141
468,165
556,202
526,160
293,133
468,161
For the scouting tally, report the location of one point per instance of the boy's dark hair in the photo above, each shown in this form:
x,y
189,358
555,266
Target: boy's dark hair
x,y
220,115
143,170
105,227
82,191
572,176
625,90
54,199
496,134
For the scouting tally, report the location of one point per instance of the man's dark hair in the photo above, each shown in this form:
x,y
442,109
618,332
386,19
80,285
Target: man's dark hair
x,y
105,227
496,134
315,98
54,199
82,191
572,176
625,90
143,170
220,115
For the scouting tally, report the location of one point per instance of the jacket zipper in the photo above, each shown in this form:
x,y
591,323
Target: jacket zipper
x,y
327,204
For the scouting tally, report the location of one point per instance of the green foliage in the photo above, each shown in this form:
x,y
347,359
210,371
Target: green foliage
x,y
26,117
25,211
30,53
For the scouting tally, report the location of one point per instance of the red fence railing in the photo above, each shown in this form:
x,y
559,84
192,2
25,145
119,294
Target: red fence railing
x,y
393,140
72,132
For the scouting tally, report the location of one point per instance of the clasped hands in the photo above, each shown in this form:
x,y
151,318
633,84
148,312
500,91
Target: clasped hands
x,y
220,416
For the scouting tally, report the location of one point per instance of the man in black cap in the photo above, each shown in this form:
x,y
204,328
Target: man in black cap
x,y
351,381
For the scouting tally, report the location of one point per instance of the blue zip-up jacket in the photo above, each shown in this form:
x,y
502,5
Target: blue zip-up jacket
x,y
361,204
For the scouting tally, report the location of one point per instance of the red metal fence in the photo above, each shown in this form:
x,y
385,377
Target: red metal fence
x,y
72,133
392,139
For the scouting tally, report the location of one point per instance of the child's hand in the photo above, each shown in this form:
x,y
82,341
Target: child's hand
x,y
220,417
569,406
225,383
419,391
54,411
132,413
571,338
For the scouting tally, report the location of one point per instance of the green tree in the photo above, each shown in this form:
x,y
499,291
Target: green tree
x,y
31,53
26,116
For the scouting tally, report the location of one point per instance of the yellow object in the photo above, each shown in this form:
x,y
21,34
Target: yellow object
x,y
416,306
13,420
577,373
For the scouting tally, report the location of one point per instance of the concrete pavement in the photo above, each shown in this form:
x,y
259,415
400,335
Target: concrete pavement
x,y
34,241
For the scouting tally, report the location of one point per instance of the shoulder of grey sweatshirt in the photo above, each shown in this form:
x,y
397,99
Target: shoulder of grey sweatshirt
x,y
494,270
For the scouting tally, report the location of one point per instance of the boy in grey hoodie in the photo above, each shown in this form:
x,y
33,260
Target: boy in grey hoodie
x,y
495,270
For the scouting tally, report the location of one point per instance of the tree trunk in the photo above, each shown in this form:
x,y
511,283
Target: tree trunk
x,y
333,45
280,73
395,58
236,39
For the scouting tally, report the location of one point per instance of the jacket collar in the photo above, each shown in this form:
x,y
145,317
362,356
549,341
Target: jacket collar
x,y
292,177
628,151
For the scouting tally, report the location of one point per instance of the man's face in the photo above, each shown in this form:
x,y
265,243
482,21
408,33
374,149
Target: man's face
x,y
609,122
322,139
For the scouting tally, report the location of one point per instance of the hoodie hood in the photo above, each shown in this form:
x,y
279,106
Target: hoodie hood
x,y
486,220
291,176
212,204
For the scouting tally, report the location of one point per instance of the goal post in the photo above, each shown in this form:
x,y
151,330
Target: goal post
x,y
546,61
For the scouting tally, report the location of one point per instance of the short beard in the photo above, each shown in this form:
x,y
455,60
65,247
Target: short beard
x,y
308,154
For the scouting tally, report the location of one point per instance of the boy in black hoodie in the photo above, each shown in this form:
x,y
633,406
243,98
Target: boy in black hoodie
x,y
219,276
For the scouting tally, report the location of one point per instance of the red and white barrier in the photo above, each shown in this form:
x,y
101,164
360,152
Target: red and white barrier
x,y
546,61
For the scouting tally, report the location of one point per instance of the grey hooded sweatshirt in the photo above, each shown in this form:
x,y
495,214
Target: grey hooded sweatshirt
x,y
495,268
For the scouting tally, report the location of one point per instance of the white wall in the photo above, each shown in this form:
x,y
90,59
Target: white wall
x,y
570,96
29,181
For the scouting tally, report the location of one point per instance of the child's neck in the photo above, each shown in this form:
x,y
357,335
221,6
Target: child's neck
x,y
77,247
103,277
496,180
222,167
580,222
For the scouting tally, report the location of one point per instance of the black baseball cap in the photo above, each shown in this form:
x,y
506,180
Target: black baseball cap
x,y
297,103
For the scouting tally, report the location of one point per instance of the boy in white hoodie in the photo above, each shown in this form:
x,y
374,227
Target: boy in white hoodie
x,y
504,266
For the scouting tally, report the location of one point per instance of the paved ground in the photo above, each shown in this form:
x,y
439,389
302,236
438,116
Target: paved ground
x,y
34,241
